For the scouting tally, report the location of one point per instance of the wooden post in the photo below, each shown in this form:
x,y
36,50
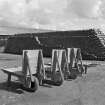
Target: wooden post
x,y
41,70
9,80
66,69
79,59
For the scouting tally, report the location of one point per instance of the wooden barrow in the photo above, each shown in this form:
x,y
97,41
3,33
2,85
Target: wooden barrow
x,y
31,73
53,71
75,63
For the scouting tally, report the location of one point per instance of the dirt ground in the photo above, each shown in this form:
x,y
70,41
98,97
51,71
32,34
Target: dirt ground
x,y
87,90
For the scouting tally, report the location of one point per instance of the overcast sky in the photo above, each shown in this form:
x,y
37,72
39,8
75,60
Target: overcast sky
x,y
53,14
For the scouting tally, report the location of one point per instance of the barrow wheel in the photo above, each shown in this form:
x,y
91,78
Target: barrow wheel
x,y
58,83
30,85
57,79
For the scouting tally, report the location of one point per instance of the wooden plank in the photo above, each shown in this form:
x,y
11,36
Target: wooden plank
x,y
33,60
68,54
13,71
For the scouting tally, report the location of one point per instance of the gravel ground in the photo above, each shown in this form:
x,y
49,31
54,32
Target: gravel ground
x,y
86,90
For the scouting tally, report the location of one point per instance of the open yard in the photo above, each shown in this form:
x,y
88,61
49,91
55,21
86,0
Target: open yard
x,y
87,90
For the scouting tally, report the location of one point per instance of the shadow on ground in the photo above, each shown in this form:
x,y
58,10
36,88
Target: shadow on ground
x,y
12,87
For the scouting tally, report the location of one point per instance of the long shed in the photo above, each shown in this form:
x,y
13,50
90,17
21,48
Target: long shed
x,y
91,41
